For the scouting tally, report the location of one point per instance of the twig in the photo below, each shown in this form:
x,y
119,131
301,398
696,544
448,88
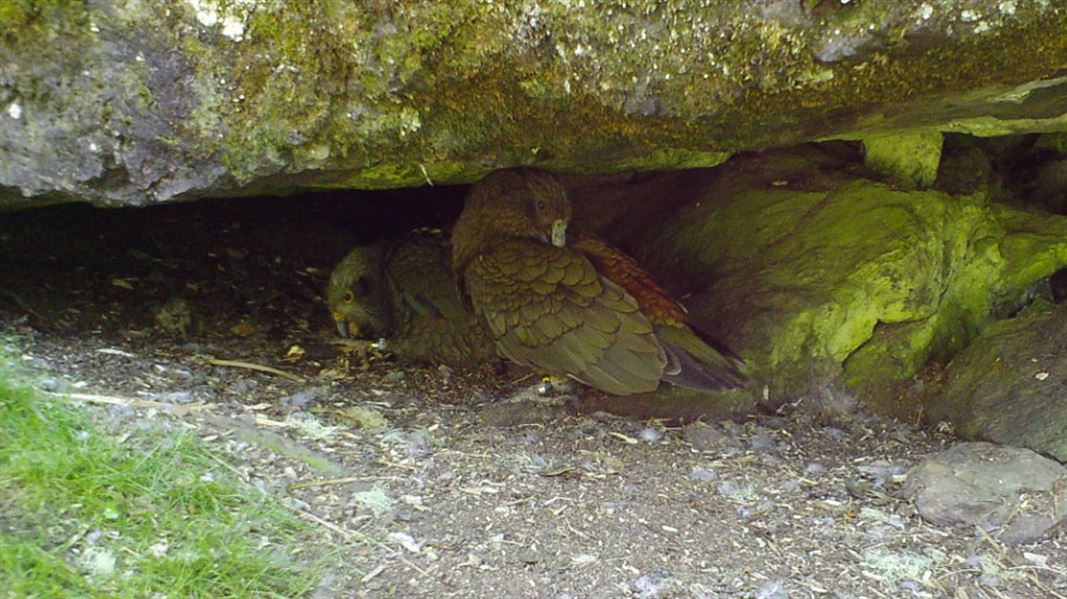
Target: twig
x,y
1037,581
326,482
257,367
370,575
348,535
523,378
989,539
278,444
20,303
411,565
240,475
425,174
177,409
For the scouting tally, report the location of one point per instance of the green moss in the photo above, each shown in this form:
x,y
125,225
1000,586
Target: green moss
x,y
559,92
907,156
308,89
822,269
23,20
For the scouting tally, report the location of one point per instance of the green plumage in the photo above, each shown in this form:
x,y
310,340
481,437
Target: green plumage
x,y
404,292
548,308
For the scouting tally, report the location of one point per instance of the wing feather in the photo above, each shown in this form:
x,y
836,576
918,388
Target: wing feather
x,y
548,308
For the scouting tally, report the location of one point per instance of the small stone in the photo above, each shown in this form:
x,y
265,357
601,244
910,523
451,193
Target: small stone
x,y
815,468
762,441
650,435
584,559
984,484
705,437
176,397
406,541
772,590
703,474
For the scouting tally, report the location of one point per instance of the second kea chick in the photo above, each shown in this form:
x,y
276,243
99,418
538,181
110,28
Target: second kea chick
x,y
403,291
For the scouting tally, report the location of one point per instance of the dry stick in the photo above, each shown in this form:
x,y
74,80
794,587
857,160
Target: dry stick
x,y
240,475
348,535
257,367
327,482
133,402
1037,581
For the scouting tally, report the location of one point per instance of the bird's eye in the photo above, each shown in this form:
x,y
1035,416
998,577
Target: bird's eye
x,y
541,205
349,297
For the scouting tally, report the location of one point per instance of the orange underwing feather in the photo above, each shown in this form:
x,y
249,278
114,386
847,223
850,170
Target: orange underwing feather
x,y
624,271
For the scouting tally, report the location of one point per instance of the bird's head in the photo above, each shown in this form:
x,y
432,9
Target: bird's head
x,y
515,202
357,294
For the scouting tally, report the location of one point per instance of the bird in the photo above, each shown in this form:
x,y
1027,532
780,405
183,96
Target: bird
x,y
402,293
585,310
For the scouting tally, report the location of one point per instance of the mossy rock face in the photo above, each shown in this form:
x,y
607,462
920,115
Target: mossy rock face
x,y
139,102
820,276
1010,384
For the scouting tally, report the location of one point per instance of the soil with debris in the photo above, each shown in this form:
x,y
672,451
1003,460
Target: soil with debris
x,y
433,483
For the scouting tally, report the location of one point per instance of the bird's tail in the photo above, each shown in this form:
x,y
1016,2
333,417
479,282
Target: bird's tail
x,y
694,364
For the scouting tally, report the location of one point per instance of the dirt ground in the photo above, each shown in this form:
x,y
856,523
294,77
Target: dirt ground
x,y
428,481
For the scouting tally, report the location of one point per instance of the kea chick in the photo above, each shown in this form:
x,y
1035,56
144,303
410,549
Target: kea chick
x,y
586,310
404,292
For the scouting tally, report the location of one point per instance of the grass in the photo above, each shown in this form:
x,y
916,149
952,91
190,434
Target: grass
x,y
84,512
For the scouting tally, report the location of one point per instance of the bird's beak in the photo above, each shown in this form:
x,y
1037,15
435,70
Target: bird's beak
x,y
559,232
342,324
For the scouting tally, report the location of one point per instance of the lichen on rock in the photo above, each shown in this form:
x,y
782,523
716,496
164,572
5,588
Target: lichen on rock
x,y
223,97
818,276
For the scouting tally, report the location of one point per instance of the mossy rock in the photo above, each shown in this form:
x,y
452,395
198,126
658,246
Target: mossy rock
x,y
214,98
818,275
1010,384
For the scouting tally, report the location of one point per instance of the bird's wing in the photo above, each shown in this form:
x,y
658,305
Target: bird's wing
x,y
420,278
692,360
625,272
547,307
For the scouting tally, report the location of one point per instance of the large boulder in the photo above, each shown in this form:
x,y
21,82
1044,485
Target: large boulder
x,y
139,102
826,280
1010,384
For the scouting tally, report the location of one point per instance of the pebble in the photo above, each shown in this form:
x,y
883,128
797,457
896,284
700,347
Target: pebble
x,y
704,474
175,397
815,468
650,435
704,437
